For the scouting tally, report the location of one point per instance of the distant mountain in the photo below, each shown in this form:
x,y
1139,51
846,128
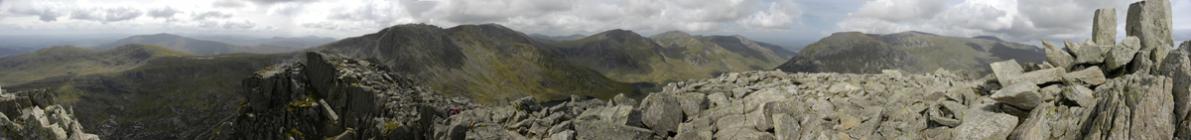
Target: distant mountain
x,y
183,97
66,61
627,56
7,51
854,52
281,42
175,42
549,38
486,62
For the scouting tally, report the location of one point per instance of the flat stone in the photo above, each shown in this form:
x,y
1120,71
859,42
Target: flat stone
x,y
1004,70
564,135
1086,53
586,130
1021,95
1091,76
743,134
692,103
1122,54
1080,95
1038,77
983,125
1057,56
1104,26
662,113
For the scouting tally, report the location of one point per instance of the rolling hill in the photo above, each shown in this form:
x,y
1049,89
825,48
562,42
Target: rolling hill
x,y
917,52
672,56
69,61
488,62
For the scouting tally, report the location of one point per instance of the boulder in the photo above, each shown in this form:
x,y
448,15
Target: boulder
x,y
1150,21
1135,106
1091,76
1080,95
785,127
596,130
564,135
1020,95
1057,56
1086,53
1038,77
621,99
1104,26
613,115
743,134
1004,70
662,113
1177,66
1123,53
692,103
1037,125
983,125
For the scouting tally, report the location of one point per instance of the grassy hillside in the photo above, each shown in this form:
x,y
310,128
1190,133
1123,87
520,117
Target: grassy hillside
x,y
166,98
175,42
489,63
853,52
71,61
672,56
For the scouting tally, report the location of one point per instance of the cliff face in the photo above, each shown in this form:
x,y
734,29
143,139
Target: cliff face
x,y
34,115
332,97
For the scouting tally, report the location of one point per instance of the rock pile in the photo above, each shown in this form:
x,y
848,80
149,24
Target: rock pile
x,y
330,97
34,115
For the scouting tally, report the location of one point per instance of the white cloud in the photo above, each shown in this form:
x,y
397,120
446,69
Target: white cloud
x,y
1020,20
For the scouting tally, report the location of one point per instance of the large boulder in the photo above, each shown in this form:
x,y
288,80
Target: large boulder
x,y
1005,70
983,125
1177,66
1135,106
597,130
662,113
1089,76
1150,21
1020,95
1057,56
1037,77
1104,26
1122,54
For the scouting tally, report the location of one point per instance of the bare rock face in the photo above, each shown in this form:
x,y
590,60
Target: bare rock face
x,y
1177,66
1150,21
1134,107
1122,54
1104,26
1057,56
34,115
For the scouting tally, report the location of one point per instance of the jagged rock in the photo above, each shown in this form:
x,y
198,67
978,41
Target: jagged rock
x,y
1104,26
1057,56
1037,77
1021,95
1123,53
1080,95
621,99
1037,125
1086,53
598,130
981,125
1177,66
1005,70
614,115
692,103
785,127
38,117
743,134
564,135
1150,21
662,113
1134,106
1089,76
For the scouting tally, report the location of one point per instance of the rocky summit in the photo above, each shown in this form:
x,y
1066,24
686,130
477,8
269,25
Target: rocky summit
x,y
35,115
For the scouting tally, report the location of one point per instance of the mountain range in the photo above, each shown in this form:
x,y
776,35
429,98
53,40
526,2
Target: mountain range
x,y
917,52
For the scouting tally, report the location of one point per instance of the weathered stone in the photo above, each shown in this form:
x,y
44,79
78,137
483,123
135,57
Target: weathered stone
x,y
982,125
1122,54
1104,26
1150,21
742,134
621,99
1037,125
595,130
1080,95
1177,66
1038,77
1004,70
1089,76
692,103
717,99
1134,106
1086,53
1021,95
662,113
785,127
1057,56
613,115
564,135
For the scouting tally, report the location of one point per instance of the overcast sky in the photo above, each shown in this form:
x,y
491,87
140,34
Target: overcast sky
x,y
778,21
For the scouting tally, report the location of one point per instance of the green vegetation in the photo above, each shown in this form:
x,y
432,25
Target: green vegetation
x,y
74,61
853,52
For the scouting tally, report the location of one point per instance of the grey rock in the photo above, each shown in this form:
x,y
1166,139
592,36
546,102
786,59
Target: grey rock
x,y
1021,95
564,135
1150,21
785,127
1004,70
1104,26
692,103
1038,77
621,99
1177,66
1086,53
612,115
1123,53
1134,106
1037,125
982,125
663,113
743,134
595,130
1080,95
1091,76
1057,56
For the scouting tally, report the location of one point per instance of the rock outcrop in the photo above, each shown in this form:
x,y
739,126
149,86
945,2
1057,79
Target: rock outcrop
x,y
34,115
330,97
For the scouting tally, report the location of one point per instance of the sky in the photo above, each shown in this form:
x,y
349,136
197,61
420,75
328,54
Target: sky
x,y
784,22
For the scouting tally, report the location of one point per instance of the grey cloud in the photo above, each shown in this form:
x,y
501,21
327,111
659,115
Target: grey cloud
x,y
45,15
106,15
211,15
228,4
1023,20
230,25
271,2
163,13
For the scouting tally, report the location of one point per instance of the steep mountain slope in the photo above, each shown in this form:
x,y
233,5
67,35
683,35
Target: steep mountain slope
x,y
486,62
672,56
175,42
7,51
917,52
67,61
165,98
